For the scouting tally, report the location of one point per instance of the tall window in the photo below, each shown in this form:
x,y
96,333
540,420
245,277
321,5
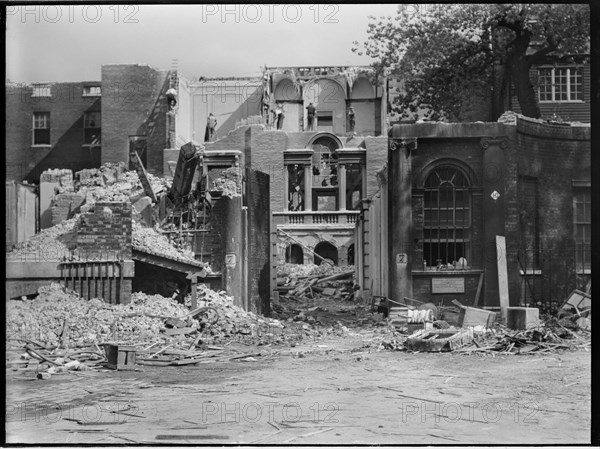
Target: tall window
x,y
41,128
353,186
92,128
582,203
560,84
296,189
447,216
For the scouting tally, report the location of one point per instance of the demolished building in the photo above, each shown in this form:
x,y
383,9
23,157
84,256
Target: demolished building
x,y
260,194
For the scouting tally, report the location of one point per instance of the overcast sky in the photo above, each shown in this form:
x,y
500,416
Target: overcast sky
x,y
71,42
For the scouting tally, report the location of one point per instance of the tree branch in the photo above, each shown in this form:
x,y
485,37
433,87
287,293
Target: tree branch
x,y
538,55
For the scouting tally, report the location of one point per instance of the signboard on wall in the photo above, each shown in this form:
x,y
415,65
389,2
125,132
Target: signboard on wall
x,y
448,285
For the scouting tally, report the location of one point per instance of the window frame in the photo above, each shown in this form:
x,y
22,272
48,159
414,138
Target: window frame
x,y
47,126
553,84
86,127
584,188
41,91
436,226
89,91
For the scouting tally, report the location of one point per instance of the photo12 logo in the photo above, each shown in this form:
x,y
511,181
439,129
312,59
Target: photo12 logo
x,y
73,13
250,13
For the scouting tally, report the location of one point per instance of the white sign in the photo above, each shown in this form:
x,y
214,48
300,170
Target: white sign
x,y
448,285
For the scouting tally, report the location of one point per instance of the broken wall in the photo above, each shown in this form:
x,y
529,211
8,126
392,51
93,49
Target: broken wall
x,y
134,103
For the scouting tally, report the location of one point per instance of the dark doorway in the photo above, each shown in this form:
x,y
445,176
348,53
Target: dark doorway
x,y
351,254
327,251
294,254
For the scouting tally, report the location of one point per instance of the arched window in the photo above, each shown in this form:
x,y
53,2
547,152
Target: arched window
x,y
327,251
447,216
294,254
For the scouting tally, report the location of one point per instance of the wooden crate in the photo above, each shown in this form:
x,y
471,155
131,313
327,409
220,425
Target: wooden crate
x,y
120,357
438,340
470,316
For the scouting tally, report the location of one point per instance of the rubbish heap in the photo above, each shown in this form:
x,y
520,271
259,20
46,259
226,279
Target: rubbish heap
x,y
299,282
59,327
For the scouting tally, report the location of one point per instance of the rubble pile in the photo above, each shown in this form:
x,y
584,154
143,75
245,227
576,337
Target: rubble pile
x,y
151,241
49,244
60,317
112,182
548,337
298,282
228,183
233,321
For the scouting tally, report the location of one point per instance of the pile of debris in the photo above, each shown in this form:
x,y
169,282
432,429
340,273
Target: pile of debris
x,y
228,183
235,322
151,241
301,282
59,327
53,244
49,245
551,336
58,317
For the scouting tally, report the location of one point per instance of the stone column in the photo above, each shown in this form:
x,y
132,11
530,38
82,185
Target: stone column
x,y
232,248
400,225
307,187
342,186
286,187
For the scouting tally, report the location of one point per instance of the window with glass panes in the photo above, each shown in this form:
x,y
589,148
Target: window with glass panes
x,y
92,128
560,84
447,216
41,128
582,202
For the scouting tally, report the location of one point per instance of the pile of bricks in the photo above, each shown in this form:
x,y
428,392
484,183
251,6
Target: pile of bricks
x,y
59,317
64,177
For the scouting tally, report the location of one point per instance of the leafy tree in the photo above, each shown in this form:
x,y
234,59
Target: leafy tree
x,y
444,53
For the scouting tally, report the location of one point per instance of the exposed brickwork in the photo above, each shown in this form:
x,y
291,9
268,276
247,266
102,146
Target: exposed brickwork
x,y
65,205
134,104
259,220
559,156
66,106
105,233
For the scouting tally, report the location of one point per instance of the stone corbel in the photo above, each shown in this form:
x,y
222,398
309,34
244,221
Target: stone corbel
x,y
502,142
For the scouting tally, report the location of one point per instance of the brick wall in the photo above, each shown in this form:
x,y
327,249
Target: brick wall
x,y
105,233
134,103
65,206
555,156
66,106
259,224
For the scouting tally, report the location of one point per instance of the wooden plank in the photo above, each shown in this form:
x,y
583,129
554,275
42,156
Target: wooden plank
x,y
478,294
502,275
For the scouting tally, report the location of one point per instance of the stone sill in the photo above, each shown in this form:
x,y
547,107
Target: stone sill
x,y
468,272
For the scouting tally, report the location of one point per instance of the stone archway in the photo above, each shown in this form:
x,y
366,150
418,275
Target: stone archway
x,y
327,251
294,254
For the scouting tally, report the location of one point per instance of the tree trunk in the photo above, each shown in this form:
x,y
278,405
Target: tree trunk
x,y
519,70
